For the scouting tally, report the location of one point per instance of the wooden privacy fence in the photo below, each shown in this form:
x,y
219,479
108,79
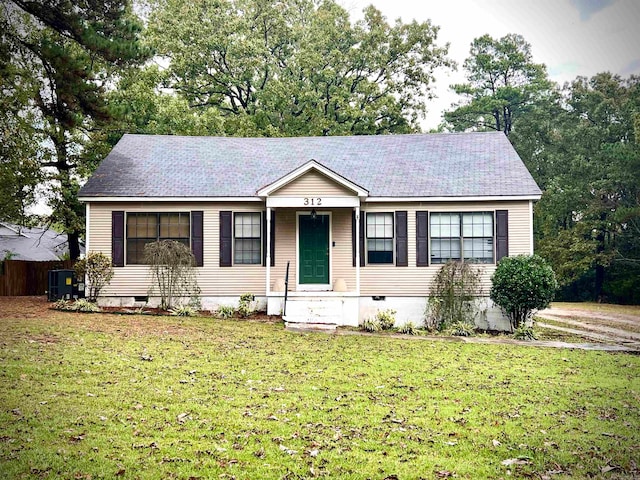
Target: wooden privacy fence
x,y
20,277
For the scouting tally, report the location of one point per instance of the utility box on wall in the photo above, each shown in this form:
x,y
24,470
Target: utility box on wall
x,y
63,285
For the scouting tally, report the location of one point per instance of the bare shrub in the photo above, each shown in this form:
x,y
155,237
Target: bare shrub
x,y
454,296
173,272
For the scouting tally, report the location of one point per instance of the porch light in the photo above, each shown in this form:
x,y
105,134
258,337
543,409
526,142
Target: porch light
x,y
313,214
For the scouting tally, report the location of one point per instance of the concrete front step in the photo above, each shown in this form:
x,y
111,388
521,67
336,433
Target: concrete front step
x,y
320,311
309,326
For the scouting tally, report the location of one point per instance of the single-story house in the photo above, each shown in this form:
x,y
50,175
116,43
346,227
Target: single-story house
x,y
364,222
37,244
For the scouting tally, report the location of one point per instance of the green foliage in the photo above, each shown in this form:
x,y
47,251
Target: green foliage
x,y
408,328
246,305
183,311
454,296
62,304
588,220
371,325
297,67
522,284
57,58
79,305
502,84
525,332
225,311
173,272
386,318
97,268
461,329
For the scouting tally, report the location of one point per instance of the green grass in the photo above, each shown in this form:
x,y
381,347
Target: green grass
x,y
99,396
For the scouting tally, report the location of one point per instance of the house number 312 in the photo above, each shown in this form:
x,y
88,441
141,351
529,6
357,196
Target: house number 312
x,y
314,202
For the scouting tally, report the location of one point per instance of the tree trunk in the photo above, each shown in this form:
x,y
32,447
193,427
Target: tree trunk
x,y
599,281
74,245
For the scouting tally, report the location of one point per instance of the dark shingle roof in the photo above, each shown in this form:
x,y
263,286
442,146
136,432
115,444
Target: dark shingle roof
x,y
429,165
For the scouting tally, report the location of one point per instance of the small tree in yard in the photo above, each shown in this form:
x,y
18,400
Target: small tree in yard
x,y
172,270
522,284
98,270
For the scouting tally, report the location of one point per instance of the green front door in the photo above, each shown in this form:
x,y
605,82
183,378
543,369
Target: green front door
x,y
314,249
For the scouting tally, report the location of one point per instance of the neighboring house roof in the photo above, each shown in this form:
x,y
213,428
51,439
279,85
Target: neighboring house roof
x,y
424,165
35,244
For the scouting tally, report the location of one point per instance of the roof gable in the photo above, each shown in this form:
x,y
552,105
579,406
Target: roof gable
x,y
322,173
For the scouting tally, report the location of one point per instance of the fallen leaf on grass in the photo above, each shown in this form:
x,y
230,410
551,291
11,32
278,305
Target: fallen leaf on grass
x,y
444,474
183,417
515,461
77,438
608,468
287,450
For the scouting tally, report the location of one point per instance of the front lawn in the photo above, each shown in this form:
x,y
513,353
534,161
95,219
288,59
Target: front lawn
x,y
104,396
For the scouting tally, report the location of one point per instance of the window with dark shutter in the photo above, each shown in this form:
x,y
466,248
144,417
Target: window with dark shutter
x,y
197,241
225,238
502,234
422,239
117,238
402,248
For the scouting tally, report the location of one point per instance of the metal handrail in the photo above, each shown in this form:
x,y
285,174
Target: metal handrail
x,y
286,289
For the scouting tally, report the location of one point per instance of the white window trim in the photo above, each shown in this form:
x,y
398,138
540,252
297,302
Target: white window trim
x,y
233,239
461,212
393,239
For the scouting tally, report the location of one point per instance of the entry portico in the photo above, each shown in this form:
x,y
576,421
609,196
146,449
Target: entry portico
x,y
315,194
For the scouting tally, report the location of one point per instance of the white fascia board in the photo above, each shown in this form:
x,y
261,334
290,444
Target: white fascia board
x,y
492,198
170,199
312,164
312,202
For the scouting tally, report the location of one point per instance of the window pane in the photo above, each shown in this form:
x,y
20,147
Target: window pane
x,y
247,251
479,249
445,249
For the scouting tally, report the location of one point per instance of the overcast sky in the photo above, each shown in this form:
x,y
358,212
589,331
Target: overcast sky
x,y
571,37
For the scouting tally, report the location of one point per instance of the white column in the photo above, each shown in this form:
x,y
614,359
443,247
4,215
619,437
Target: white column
x,y
268,252
530,227
358,250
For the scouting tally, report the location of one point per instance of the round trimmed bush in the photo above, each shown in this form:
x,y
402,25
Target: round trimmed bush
x,y
522,284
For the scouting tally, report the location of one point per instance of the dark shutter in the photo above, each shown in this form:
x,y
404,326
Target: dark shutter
x,y
422,239
363,252
402,249
225,238
502,234
264,239
117,239
197,246
273,238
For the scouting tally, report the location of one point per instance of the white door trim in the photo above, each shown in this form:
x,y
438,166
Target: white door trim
x,y
311,287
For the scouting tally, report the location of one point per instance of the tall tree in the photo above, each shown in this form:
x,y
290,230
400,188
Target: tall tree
x,y
503,82
590,211
60,53
297,67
